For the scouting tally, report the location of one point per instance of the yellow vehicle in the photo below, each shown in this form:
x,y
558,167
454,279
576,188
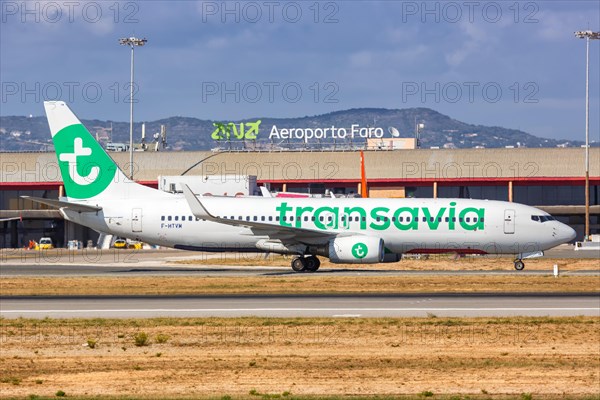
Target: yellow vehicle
x,y
45,244
135,245
120,244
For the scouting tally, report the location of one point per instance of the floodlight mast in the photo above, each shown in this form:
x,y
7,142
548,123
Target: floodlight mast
x,y
131,42
587,35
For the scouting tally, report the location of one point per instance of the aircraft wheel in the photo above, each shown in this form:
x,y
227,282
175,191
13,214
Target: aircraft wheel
x,y
519,265
299,264
312,263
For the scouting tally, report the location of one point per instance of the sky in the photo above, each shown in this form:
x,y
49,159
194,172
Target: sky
x,y
500,63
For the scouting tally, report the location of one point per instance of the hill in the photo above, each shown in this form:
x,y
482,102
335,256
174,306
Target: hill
x,y
19,133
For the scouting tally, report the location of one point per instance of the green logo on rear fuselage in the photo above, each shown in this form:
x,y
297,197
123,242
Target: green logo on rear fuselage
x,y
382,218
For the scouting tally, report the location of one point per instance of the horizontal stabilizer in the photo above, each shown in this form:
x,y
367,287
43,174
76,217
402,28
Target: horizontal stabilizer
x,y
63,204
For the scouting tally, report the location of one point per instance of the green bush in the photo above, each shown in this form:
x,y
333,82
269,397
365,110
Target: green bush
x,y
162,338
60,393
141,339
92,343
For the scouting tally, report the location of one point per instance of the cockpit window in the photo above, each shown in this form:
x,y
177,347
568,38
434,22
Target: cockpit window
x,y
542,218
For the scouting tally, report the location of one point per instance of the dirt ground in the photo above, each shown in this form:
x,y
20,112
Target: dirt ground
x,y
296,284
255,357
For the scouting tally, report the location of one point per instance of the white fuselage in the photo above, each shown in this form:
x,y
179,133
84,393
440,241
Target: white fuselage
x,y
405,225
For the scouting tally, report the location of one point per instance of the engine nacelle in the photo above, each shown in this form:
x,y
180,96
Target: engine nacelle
x,y
356,250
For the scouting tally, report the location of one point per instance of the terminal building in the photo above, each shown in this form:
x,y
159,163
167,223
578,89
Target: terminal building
x,y
549,178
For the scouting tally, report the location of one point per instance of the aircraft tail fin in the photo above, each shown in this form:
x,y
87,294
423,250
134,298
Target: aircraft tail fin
x,y
87,170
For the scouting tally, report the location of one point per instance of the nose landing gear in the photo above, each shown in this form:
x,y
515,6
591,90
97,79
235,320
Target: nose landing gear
x,y
519,264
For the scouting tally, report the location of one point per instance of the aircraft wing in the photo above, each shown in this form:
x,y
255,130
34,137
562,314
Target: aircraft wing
x,y
284,233
63,204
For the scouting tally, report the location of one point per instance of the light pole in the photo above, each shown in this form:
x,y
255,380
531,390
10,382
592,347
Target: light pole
x,y
131,42
587,35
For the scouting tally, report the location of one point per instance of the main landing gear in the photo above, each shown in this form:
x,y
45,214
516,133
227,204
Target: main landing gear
x,y
306,264
519,264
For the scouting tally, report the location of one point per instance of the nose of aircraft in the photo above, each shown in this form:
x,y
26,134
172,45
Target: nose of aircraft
x,y
566,233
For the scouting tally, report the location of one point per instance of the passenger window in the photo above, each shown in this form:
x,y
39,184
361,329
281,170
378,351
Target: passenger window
x,y
306,219
468,219
277,218
270,218
190,218
177,218
447,219
162,218
255,218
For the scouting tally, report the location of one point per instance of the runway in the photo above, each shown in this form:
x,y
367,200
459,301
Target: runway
x,y
124,263
234,271
457,305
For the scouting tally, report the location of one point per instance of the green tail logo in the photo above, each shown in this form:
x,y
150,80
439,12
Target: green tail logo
x,y
86,169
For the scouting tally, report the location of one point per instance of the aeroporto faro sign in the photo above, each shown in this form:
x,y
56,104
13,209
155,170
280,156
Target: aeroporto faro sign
x,y
250,131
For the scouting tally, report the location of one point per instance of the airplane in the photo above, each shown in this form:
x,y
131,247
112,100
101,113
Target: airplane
x,y
344,230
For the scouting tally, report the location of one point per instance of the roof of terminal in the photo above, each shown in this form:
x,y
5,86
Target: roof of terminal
x,y
425,164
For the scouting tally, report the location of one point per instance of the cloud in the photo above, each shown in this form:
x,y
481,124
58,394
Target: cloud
x,y
475,39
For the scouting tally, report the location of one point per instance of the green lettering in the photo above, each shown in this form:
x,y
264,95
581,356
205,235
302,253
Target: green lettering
x,y
328,224
384,221
361,212
434,222
452,216
413,224
471,226
283,209
299,212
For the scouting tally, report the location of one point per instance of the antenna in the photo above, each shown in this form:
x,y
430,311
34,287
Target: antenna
x,y
394,132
